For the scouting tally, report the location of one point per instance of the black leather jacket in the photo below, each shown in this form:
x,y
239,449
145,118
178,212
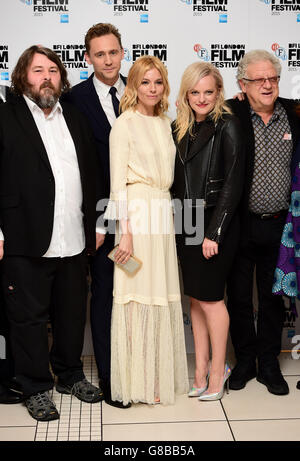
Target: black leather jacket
x,y
212,168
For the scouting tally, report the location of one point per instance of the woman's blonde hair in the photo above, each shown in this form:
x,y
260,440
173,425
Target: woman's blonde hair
x,y
191,76
136,74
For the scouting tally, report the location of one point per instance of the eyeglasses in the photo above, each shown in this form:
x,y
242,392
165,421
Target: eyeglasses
x,y
261,81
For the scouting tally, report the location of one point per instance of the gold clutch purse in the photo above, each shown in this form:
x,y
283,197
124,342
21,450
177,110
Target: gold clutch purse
x,y
130,267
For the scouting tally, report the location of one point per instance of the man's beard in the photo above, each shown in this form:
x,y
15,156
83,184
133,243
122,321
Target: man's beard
x,y
46,99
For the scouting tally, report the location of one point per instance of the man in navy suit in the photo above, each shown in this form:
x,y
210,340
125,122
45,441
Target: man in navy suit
x,y
6,364
98,99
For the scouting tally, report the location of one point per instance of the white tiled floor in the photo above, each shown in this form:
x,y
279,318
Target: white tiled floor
x,y
252,414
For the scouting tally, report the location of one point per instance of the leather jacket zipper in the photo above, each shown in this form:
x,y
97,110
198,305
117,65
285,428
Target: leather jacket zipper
x,y
220,227
208,168
213,191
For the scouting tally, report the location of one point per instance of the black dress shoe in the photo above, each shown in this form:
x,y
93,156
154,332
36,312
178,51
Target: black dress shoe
x,y
298,385
107,396
116,403
241,374
273,379
13,385
9,397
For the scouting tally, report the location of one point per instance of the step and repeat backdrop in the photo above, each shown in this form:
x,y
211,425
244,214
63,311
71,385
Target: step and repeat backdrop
x,y
179,32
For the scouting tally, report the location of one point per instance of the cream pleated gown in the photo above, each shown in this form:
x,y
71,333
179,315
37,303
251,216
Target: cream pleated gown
x,y
148,356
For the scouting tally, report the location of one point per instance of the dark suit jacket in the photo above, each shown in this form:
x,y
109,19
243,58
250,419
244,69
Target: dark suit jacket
x,y
27,186
242,110
85,97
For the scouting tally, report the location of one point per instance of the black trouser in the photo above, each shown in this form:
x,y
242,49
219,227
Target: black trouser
x,y
261,253
6,364
102,270
36,289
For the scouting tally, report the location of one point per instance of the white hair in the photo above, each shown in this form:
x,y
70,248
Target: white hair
x,y
255,56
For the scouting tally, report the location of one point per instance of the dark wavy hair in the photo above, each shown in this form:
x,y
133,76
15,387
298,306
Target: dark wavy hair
x,y
98,30
19,83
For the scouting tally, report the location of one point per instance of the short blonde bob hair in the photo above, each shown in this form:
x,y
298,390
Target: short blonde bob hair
x,y
191,76
136,74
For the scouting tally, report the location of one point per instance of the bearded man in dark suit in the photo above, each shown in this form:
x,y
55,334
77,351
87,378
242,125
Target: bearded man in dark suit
x,y
47,222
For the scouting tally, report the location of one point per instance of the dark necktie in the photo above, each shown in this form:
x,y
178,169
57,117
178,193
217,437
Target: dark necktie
x,y
115,101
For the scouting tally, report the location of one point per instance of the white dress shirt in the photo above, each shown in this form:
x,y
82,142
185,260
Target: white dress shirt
x,y
104,95
68,238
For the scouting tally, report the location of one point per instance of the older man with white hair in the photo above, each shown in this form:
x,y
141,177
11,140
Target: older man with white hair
x,y
271,129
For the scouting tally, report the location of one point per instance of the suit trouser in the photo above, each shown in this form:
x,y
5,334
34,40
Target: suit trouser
x,y
36,289
6,364
102,271
261,253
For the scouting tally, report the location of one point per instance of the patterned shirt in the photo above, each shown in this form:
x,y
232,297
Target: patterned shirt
x,y
270,190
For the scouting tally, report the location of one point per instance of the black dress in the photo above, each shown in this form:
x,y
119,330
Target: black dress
x,y
205,279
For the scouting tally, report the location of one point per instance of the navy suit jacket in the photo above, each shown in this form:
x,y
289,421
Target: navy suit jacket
x,y
85,97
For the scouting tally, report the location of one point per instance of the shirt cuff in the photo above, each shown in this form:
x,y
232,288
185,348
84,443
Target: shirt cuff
x,y
99,230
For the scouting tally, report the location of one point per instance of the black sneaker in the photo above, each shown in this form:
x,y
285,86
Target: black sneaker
x,y
41,407
83,390
241,374
272,378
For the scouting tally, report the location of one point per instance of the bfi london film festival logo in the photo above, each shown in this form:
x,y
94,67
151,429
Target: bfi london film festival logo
x,y
160,50
4,73
222,55
39,7
121,7
201,7
278,7
290,56
72,56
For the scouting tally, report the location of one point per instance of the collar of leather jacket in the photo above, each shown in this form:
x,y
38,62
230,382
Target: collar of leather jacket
x,y
205,133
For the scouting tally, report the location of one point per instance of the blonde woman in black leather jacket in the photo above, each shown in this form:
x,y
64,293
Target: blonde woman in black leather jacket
x,y
209,166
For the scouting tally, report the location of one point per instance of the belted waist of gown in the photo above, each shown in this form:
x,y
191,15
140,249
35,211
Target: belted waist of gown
x,y
166,189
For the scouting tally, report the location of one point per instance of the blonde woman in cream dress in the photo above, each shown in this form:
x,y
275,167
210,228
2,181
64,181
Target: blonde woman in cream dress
x,y
148,357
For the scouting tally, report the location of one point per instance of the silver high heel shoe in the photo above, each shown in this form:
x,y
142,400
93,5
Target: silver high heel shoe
x,y
197,391
217,395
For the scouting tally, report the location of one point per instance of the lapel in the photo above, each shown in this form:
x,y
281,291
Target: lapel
x,y
95,109
76,134
242,111
206,132
28,124
124,79
183,147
